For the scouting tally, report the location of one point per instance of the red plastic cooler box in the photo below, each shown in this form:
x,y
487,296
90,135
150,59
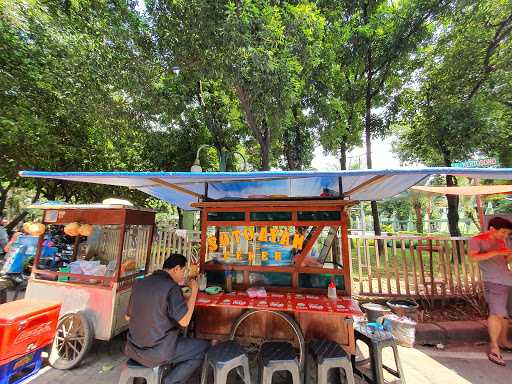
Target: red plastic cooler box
x,y
25,326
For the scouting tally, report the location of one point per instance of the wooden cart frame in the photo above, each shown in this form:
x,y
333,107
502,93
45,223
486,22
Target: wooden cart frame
x,y
92,310
223,322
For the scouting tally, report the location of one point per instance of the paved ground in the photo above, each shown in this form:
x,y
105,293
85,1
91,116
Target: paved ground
x,y
456,365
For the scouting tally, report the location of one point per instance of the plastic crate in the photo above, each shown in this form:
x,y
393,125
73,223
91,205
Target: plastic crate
x,y
20,369
26,326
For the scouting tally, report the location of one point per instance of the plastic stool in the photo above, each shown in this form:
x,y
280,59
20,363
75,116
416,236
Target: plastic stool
x,y
328,355
133,370
279,356
376,340
224,357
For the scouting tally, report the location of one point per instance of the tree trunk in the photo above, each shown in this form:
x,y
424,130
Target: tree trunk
x,y
368,136
419,216
3,197
368,118
180,218
343,155
453,208
261,134
265,148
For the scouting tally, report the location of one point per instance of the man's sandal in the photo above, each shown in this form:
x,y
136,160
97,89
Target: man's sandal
x,y
506,349
496,359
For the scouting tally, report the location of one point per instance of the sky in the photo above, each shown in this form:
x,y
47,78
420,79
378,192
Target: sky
x,y
381,155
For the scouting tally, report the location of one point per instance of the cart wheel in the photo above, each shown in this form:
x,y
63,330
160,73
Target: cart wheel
x,y
72,341
291,322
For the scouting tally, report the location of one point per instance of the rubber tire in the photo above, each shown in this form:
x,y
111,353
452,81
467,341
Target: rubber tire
x,y
293,324
59,363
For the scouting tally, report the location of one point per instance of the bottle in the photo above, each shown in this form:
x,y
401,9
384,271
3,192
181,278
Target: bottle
x,y
202,281
229,282
331,290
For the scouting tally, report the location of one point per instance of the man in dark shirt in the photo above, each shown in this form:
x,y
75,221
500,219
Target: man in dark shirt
x,y
156,311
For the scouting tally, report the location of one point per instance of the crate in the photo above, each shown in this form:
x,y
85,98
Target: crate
x,y
26,326
20,369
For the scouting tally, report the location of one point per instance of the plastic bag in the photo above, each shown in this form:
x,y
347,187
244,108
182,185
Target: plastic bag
x,y
256,292
403,329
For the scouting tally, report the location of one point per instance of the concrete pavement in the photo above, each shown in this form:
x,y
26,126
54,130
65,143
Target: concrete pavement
x,y
456,365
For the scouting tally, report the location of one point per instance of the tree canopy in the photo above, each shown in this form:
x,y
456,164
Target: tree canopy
x,y
141,85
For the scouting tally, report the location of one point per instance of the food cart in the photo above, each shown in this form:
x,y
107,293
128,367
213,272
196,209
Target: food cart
x,y
110,249
292,248
284,231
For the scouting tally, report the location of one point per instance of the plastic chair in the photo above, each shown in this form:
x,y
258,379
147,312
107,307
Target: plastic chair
x,y
328,355
223,358
279,356
133,370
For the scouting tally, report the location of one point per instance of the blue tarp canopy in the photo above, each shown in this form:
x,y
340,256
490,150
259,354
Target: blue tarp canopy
x,y
185,188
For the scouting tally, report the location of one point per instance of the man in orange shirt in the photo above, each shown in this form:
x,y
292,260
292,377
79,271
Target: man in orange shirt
x,y
491,253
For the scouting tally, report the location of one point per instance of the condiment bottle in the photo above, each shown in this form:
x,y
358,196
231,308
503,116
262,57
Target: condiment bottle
x,y
331,290
229,282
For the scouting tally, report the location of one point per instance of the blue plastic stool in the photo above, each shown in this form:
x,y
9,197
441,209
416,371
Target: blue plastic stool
x,y
24,367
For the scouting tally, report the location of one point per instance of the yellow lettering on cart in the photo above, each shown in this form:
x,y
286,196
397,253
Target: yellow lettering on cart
x,y
239,255
297,241
285,238
212,244
224,239
264,256
249,233
277,256
251,256
236,235
273,235
263,234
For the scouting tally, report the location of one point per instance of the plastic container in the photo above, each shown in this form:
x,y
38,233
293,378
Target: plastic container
x,y
403,307
64,270
19,370
403,329
25,326
374,311
331,290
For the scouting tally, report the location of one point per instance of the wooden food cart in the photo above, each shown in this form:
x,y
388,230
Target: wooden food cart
x,y
104,264
292,247
285,231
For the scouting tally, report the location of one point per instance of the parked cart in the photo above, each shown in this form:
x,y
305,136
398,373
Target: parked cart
x,y
110,249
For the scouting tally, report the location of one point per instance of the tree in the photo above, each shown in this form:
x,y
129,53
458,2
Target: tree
x,y
379,38
70,91
260,50
447,118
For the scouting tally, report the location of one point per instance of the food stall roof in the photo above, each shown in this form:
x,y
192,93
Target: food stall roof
x,y
469,190
185,188
61,205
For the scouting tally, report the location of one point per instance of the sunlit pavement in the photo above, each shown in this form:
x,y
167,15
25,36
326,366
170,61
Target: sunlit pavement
x,y
455,365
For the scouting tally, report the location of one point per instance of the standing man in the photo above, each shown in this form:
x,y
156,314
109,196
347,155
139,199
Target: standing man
x,y
490,251
156,311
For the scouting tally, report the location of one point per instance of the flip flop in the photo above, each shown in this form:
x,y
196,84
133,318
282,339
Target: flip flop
x,y
496,359
506,349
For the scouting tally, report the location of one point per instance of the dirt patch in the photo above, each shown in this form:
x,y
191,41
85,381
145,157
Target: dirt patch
x,y
430,311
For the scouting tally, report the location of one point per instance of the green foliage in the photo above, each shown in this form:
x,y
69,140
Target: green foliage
x,y
70,91
260,51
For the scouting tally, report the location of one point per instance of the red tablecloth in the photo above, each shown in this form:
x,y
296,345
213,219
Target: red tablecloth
x,y
293,302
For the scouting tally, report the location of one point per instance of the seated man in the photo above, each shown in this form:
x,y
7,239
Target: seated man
x,y
156,311
490,251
